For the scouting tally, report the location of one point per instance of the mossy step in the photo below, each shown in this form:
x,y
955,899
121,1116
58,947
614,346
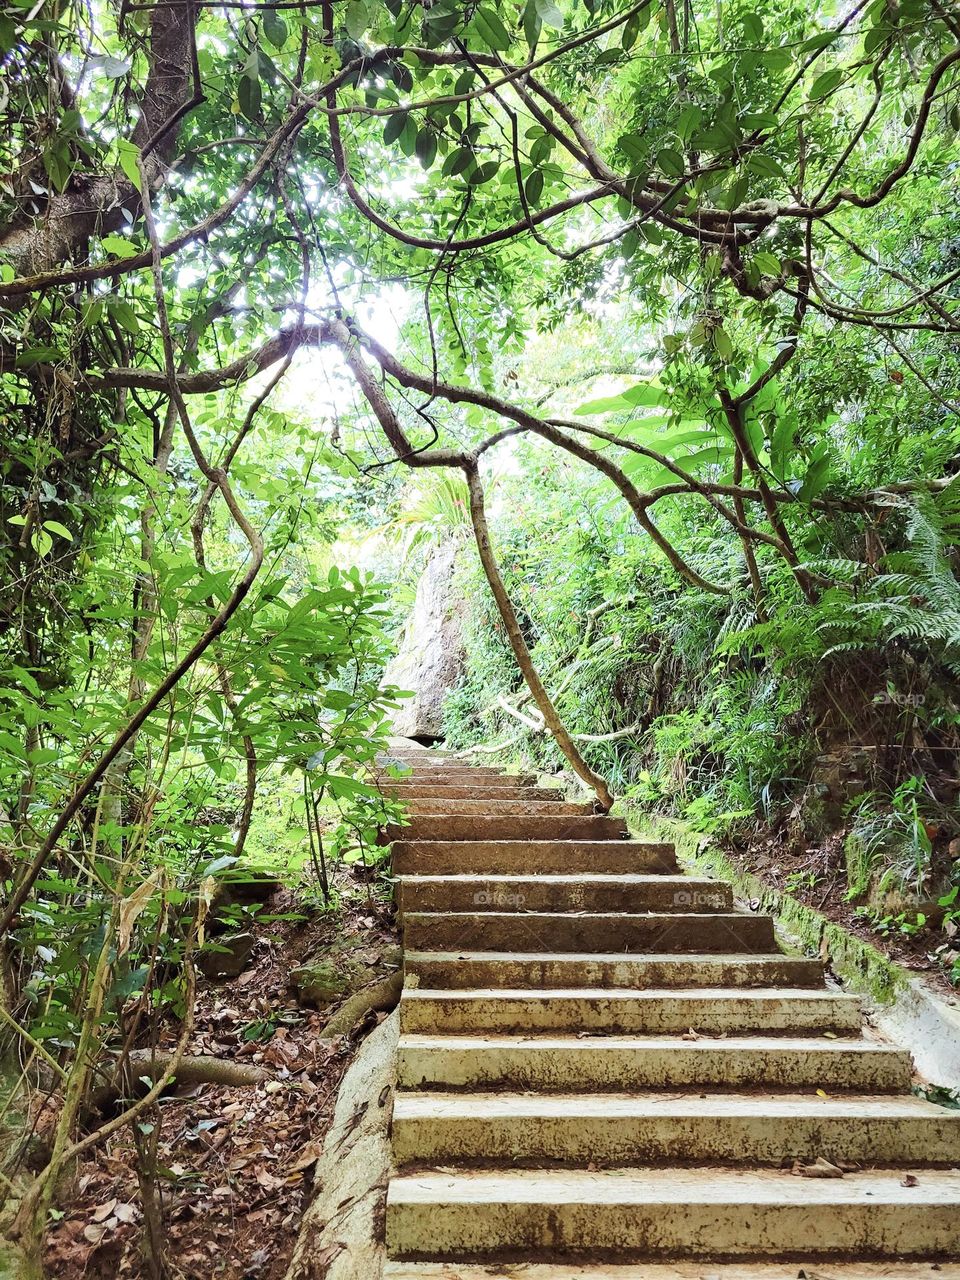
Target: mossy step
x,y
712,1128
716,1213
586,891
530,857
625,1011
463,969
559,1064
728,932
482,827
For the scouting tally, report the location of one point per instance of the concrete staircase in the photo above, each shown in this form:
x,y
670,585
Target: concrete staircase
x,y
608,1071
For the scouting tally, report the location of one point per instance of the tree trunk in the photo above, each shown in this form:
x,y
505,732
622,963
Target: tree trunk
x,y
519,645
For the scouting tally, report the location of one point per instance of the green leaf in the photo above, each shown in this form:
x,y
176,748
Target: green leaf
x,y
426,147
818,473
689,121
533,187
458,160
671,162
124,314
38,355
395,126
54,526
548,13
356,18
766,262
722,344
483,173
634,147
641,394
781,445
826,83
819,41
490,29
274,28
129,158
119,247
113,68
765,165
249,96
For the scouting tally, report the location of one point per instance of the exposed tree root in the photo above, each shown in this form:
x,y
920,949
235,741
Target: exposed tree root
x,y
382,996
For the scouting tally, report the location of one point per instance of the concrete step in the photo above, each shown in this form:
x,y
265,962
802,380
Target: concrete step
x,y
521,808
804,1265
564,1063
584,892
530,857
705,1212
446,791
452,777
540,827
545,931
518,969
646,1128
624,1012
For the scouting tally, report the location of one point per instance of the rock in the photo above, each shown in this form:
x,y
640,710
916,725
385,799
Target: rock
x,y
319,983
341,1236
430,659
231,957
340,971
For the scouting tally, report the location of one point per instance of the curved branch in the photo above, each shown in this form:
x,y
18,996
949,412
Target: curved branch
x,y
518,644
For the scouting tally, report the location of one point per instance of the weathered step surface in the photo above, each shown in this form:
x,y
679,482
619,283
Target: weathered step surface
x,y
654,1012
495,808
446,791
805,1265
703,1212
587,891
516,969
643,1128
554,1063
458,778
538,827
544,931
530,857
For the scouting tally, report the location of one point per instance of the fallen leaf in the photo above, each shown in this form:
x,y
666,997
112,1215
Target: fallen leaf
x,y
308,1156
819,1169
103,1211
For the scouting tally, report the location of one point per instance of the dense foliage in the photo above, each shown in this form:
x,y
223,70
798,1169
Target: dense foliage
x,y
680,276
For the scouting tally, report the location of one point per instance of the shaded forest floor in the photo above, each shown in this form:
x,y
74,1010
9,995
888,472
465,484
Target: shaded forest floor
x,y
235,1164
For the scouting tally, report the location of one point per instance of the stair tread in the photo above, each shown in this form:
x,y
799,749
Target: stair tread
x,y
688,917
708,1184
521,841
828,1267
755,958
767,1044
626,878
514,1105
671,994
